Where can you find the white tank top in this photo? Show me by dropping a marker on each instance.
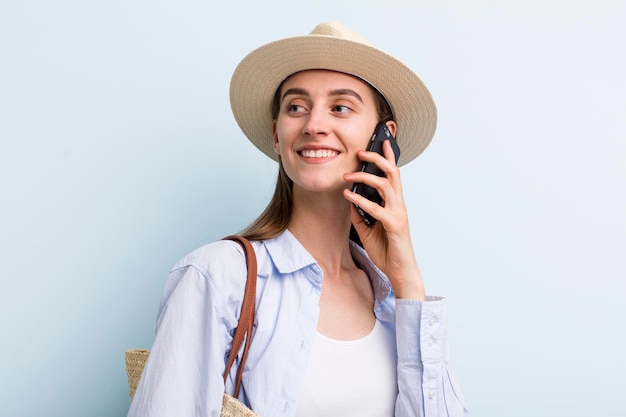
(355, 378)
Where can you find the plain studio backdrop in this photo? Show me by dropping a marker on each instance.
(119, 155)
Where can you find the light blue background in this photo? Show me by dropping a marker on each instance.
(119, 154)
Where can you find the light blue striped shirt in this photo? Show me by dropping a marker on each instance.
(199, 312)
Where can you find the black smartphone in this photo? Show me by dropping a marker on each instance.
(381, 134)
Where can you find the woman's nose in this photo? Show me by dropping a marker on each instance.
(316, 124)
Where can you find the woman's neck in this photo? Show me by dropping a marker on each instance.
(322, 225)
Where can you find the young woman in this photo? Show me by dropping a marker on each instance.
(343, 326)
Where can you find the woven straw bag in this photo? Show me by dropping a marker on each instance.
(231, 407)
(135, 361)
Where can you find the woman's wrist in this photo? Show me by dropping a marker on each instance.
(411, 287)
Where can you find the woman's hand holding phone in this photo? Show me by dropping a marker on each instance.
(380, 136)
(388, 241)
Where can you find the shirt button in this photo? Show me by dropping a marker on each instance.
(430, 342)
(431, 395)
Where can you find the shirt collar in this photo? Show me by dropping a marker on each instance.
(380, 282)
(299, 258)
(287, 253)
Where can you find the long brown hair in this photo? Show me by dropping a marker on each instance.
(275, 218)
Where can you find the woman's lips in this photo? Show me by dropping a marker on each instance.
(318, 153)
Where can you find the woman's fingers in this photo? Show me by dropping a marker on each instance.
(389, 187)
(385, 162)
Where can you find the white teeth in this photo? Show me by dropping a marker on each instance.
(322, 153)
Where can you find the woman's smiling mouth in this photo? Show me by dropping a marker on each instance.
(319, 153)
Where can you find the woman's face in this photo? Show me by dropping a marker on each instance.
(324, 118)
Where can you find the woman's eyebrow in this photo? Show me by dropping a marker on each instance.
(337, 92)
(295, 91)
(346, 92)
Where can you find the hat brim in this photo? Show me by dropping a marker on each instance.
(261, 72)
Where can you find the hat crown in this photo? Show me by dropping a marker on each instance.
(337, 30)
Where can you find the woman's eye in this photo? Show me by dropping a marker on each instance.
(294, 108)
(339, 108)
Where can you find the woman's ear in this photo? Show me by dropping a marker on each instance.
(275, 138)
(391, 124)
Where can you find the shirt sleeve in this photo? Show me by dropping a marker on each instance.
(184, 372)
(426, 387)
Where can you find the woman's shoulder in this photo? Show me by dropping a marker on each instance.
(213, 274)
(221, 253)
(220, 265)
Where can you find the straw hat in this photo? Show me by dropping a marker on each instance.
(331, 46)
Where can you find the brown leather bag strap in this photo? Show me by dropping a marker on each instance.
(246, 318)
